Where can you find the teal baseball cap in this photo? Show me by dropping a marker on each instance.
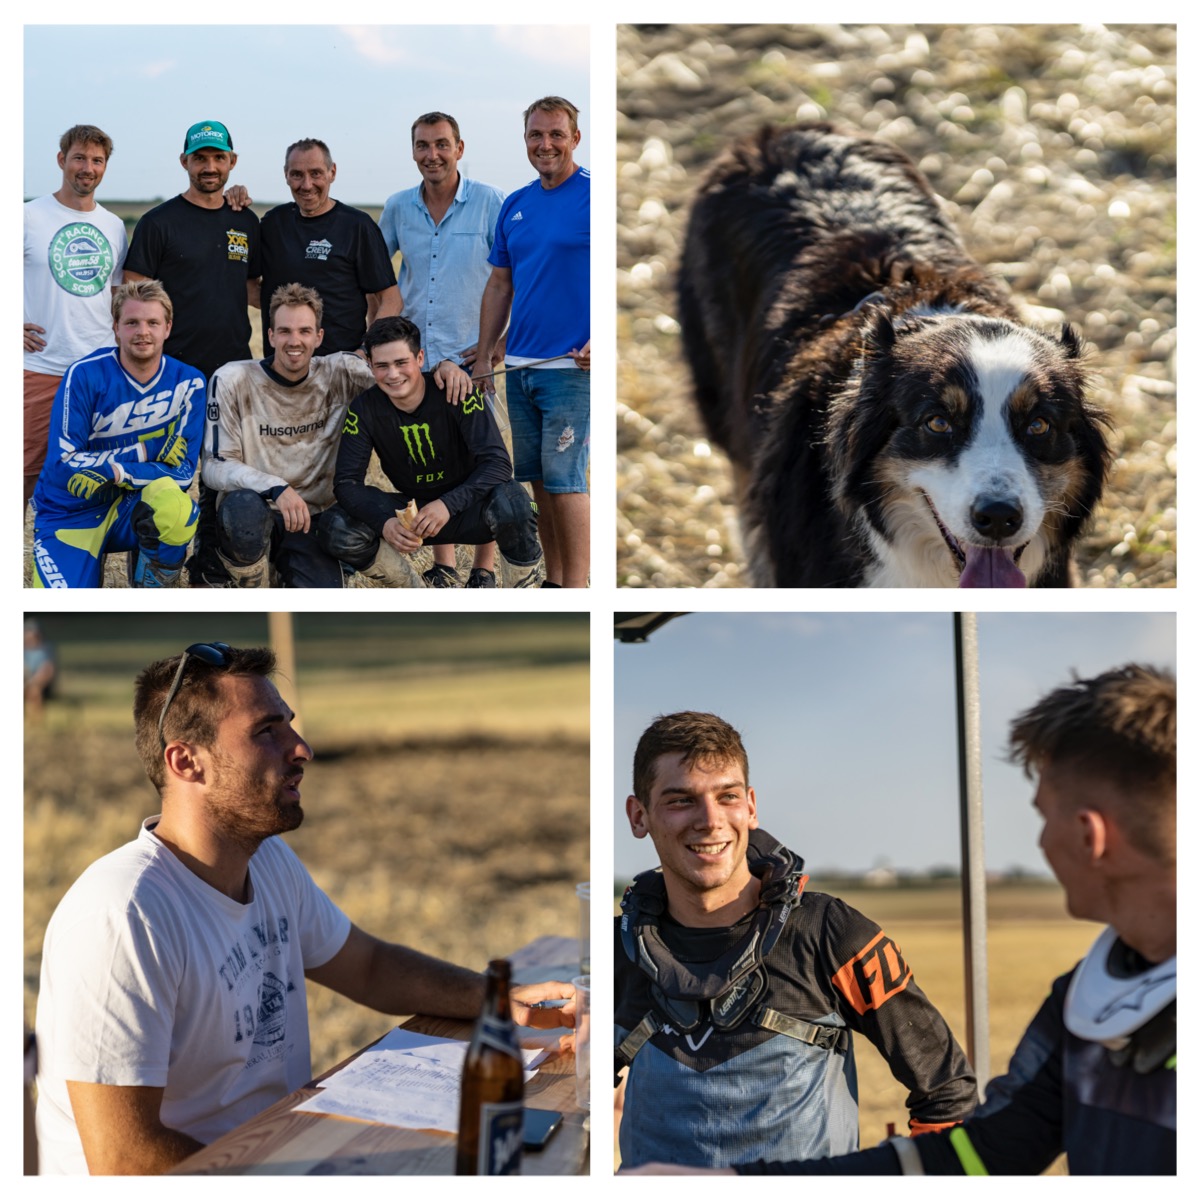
(207, 133)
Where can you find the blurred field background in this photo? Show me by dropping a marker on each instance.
(1031, 941)
(447, 806)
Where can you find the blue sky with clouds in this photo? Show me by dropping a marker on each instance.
(356, 87)
(849, 722)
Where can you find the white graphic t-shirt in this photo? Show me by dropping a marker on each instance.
(72, 261)
(150, 977)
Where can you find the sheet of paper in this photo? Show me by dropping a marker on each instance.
(406, 1079)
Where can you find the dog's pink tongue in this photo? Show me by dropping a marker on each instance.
(990, 568)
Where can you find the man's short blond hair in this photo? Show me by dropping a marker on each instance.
(1119, 728)
(86, 135)
(295, 295)
(145, 290)
(553, 104)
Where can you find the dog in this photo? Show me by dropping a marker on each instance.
(890, 421)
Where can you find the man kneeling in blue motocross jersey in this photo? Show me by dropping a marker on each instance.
(1094, 1074)
(124, 438)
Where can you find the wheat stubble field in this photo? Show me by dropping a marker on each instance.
(447, 806)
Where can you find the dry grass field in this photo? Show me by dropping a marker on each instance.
(447, 806)
(1031, 940)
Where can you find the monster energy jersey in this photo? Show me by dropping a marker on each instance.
(1061, 1093)
(440, 451)
(103, 416)
(263, 432)
(153, 978)
(712, 1098)
(203, 257)
(73, 261)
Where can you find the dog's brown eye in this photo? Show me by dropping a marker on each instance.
(1038, 426)
(938, 425)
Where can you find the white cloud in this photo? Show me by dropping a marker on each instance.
(152, 70)
(561, 45)
(374, 44)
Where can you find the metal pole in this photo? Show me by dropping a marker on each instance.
(974, 881)
(284, 644)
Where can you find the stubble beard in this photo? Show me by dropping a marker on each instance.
(248, 809)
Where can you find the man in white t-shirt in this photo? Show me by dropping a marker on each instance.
(74, 250)
(172, 999)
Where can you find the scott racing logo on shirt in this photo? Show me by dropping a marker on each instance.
(81, 259)
(319, 250)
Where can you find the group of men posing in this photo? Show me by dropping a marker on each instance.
(736, 988)
(114, 433)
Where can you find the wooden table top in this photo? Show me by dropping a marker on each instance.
(280, 1141)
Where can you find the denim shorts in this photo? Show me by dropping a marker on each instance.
(550, 413)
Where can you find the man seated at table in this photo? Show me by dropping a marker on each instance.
(172, 1002)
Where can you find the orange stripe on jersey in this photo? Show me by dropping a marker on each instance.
(873, 976)
(916, 1128)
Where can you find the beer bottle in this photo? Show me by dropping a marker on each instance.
(491, 1112)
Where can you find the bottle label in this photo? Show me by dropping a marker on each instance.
(501, 1132)
(499, 1034)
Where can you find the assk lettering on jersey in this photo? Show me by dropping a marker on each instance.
(148, 411)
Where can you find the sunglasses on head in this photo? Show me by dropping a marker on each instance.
(216, 654)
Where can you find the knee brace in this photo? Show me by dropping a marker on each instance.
(164, 516)
(510, 515)
(343, 537)
(244, 527)
(246, 575)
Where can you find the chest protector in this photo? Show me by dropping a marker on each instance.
(728, 989)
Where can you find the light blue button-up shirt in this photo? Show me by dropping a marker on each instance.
(445, 267)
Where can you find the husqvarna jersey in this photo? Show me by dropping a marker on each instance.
(264, 431)
(1061, 1094)
(714, 1098)
(102, 415)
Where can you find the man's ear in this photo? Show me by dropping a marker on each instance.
(1093, 828)
(183, 762)
(637, 817)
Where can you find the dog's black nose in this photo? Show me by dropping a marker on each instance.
(996, 518)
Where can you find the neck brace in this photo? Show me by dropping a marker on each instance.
(1129, 1011)
(732, 983)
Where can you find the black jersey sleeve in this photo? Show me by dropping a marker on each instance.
(372, 262)
(362, 501)
(254, 265)
(878, 997)
(146, 247)
(1019, 1129)
(482, 437)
